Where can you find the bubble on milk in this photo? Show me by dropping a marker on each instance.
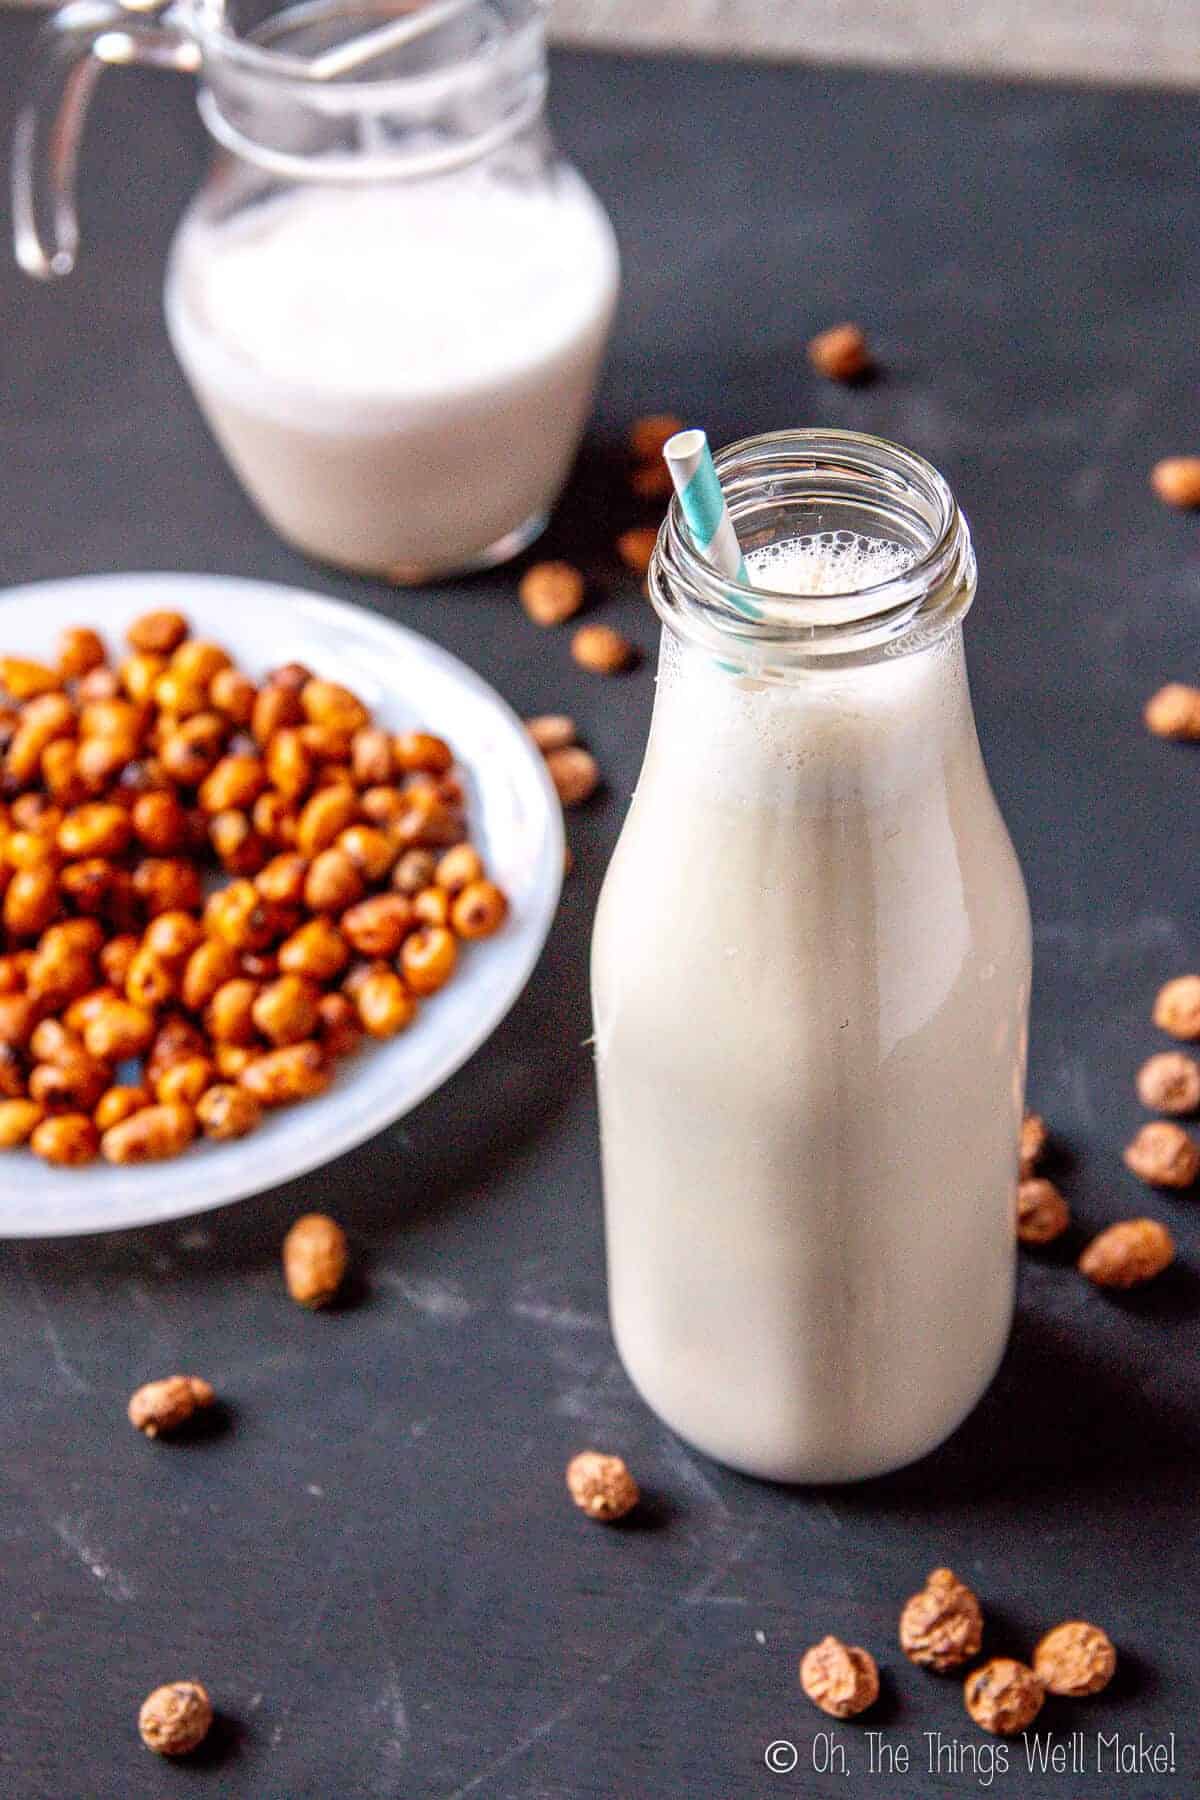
(828, 562)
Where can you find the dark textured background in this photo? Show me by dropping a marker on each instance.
(372, 1562)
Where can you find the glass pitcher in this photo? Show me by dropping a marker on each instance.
(810, 979)
(391, 296)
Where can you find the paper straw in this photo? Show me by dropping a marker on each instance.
(702, 500)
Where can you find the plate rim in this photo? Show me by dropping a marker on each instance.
(546, 891)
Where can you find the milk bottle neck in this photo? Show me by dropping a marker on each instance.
(857, 550)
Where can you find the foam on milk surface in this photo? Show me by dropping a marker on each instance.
(417, 288)
(827, 562)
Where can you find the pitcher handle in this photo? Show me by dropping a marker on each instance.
(73, 47)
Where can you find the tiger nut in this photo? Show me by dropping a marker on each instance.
(942, 1626)
(841, 353)
(1075, 1659)
(839, 1678)
(601, 650)
(168, 1404)
(601, 1486)
(551, 592)
(1176, 479)
(1177, 1007)
(1174, 712)
(551, 731)
(1163, 1155)
(1042, 1213)
(314, 1259)
(1034, 1139)
(1128, 1253)
(575, 774)
(1003, 1696)
(175, 1719)
(1169, 1082)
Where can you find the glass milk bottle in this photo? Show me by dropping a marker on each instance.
(391, 297)
(810, 975)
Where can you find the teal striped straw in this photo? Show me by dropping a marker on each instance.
(705, 513)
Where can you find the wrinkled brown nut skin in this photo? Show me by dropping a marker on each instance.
(175, 1720)
(1163, 1155)
(227, 1111)
(601, 650)
(841, 353)
(1042, 1213)
(315, 1256)
(840, 1678)
(1128, 1253)
(551, 731)
(1177, 1008)
(636, 547)
(1003, 1696)
(1034, 1139)
(1169, 1083)
(152, 1135)
(601, 1486)
(295, 1072)
(1176, 479)
(942, 1626)
(1075, 1659)
(167, 1404)
(649, 434)
(1174, 712)
(575, 774)
(551, 592)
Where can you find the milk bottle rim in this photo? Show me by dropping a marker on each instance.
(788, 484)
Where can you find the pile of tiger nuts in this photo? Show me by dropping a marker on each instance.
(135, 1010)
(941, 1628)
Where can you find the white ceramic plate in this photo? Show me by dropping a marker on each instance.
(515, 820)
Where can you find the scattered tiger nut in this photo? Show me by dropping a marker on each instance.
(840, 353)
(575, 774)
(1034, 1139)
(1177, 1008)
(1003, 1696)
(649, 435)
(551, 731)
(841, 1679)
(315, 1256)
(601, 1485)
(1128, 1253)
(1174, 712)
(1163, 1155)
(1042, 1213)
(174, 1720)
(1176, 479)
(1075, 1659)
(551, 592)
(166, 1405)
(650, 481)
(601, 650)
(1169, 1083)
(636, 547)
(942, 1626)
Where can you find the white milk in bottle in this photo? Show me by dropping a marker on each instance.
(810, 978)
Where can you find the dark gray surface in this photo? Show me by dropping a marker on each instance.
(373, 1563)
